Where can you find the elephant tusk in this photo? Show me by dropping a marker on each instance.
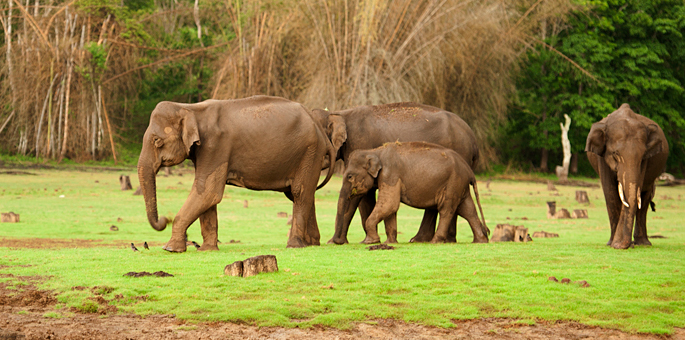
(620, 194)
(639, 199)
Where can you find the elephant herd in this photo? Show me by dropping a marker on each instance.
(416, 154)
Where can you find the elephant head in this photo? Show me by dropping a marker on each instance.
(335, 127)
(626, 144)
(168, 141)
(359, 177)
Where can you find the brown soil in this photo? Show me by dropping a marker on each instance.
(22, 317)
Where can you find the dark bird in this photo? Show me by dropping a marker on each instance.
(145, 246)
(196, 245)
(133, 247)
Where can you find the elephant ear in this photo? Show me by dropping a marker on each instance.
(190, 134)
(336, 130)
(373, 165)
(596, 139)
(654, 141)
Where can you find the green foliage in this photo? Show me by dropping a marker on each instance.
(634, 48)
(637, 289)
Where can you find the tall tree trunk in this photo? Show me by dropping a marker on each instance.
(544, 155)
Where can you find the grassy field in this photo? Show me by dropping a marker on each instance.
(637, 290)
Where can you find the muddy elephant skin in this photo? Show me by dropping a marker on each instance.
(259, 143)
(421, 175)
(629, 152)
(369, 127)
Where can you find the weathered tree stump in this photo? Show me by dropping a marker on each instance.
(579, 213)
(245, 204)
(234, 269)
(125, 182)
(509, 233)
(551, 209)
(167, 171)
(544, 234)
(252, 266)
(550, 186)
(561, 214)
(581, 196)
(9, 217)
(138, 192)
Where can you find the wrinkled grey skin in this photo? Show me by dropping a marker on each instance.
(259, 143)
(628, 151)
(368, 127)
(421, 175)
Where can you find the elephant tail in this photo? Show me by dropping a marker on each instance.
(331, 167)
(486, 230)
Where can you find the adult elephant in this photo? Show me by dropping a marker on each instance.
(368, 127)
(259, 143)
(628, 151)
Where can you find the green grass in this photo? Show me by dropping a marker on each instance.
(640, 289)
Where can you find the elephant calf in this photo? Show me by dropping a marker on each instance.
(419, 174)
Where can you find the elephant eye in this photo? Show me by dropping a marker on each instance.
(158, 142)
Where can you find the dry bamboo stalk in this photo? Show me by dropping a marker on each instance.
(109, 129)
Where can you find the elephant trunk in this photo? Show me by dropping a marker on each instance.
(629, 193)
(347, 206)
(147, 176)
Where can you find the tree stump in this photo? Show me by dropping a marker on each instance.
(167, 171)
(9, 217)
(252, 266)
(561, 214)
(551, 209)
(234, 269)
(562, 171)
(544, 234)
(509, 233)
(581, 196)
(125, 182)
(579, 213)
(138, 192)
(550, 186)
(282, 214)
(245, 204)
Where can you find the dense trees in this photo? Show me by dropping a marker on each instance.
(77, 72)
(633, 52)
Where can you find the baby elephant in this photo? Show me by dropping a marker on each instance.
(421, 175)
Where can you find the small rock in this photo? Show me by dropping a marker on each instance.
(552, 278)
(114, 228)
(565, 280)
(119, 219)
(282, 214)
(234, 241)
(9, 217)
(583, 283)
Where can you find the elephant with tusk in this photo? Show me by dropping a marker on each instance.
(629, 152)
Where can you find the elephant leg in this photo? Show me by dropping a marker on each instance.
(302, 190)
(210, 229)
(391, 228)
(441, 233)
(366, 205)
(427, 228)
(198, 202)
(467, 210)
(388, 203)
(640, 232)
(613, 201)
(452, 231)
(313, 228)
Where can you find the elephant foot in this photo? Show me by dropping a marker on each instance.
(480, 240)
(175, 246)
(389, 241)
(208, 247)
(338, 241)
(422, 238)
(451, 239)
(642, 242)
(371, 240)
(621, 245)
(296, 242)
(437, 239)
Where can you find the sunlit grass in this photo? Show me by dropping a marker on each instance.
(638, 289)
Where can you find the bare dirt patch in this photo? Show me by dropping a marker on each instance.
(30, 314)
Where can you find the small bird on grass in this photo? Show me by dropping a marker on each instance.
(145, 246)
(196, 245)
(133, 247)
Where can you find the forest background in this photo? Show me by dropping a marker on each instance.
(81, 77)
